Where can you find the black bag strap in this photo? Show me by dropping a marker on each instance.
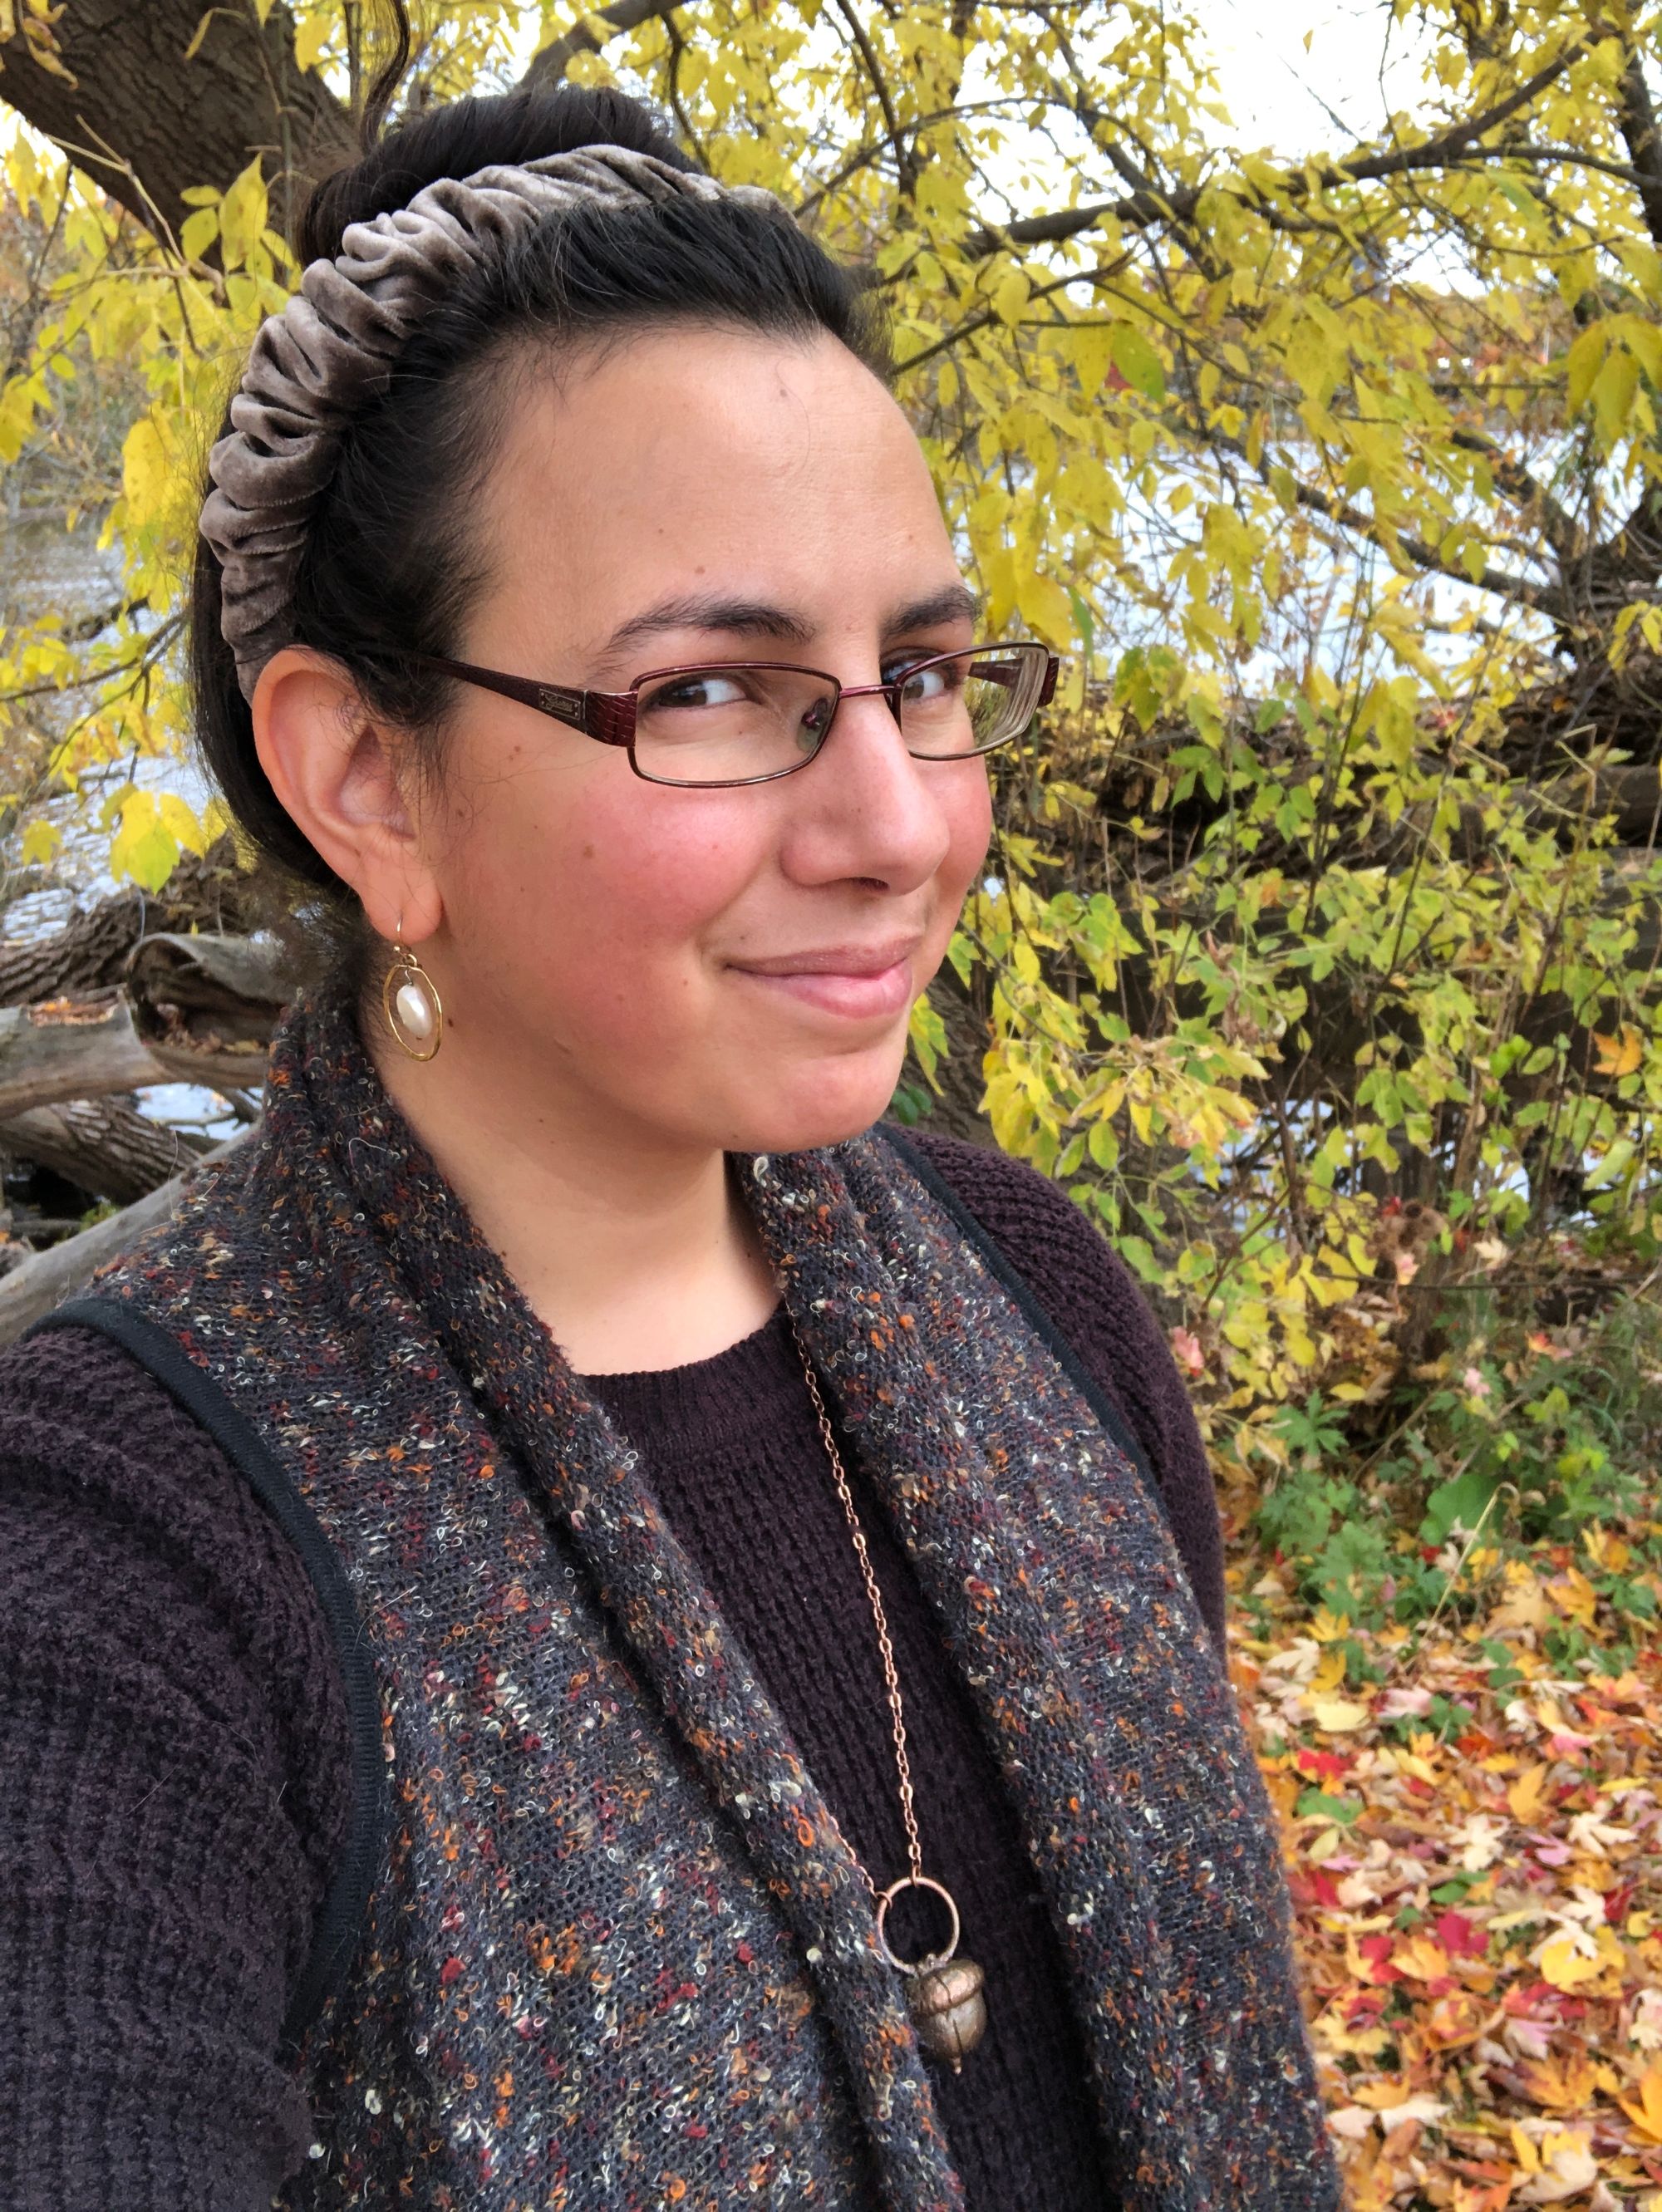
(346, 1904)
(1016, 1285)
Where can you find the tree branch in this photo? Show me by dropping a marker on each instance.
(1141, 210)
(1526, 493)
(903, 160)
(549, 67)
(177, 122)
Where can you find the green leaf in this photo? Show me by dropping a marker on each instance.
(1464, 1500)
(1317, 1802)
(1137, 362)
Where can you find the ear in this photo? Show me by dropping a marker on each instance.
(349, 786)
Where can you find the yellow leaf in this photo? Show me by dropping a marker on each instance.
(311, 38)
(1524, 1796)
(1421, 1959)
(40, 842)
(1581, 365)
(146, 475)
(1093, 357)
(143, 849)
(197, 233)
(1010, 295)
(198, 35)
(180, 822)
(242, 215)
(1336, 1715)
(1567, 1965)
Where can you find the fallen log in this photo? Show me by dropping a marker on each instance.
(205, 1006)
(101, 1146)
(90, 952)
(49, 1277)
(71, 1049)
(195, 1009)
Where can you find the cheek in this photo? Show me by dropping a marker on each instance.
(966, 806)
(591, 895)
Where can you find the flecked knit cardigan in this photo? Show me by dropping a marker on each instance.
(613, 1914)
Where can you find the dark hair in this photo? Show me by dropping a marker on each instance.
(390, 568)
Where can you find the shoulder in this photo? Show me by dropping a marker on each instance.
(168, 1821)
(1065, 1259)
(125, 1526)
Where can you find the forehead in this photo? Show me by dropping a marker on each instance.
(701, 460)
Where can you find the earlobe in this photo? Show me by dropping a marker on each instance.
(337, 773)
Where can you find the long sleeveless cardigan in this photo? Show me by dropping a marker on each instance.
(608, 1948)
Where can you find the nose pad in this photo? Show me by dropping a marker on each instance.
(812, 728)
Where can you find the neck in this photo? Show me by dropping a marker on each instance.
(630, 1245)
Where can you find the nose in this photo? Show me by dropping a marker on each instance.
(864, 808)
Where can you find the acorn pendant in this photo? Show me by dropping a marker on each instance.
(948, 2010)
(943, 1993)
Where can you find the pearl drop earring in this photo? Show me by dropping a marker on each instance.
(411, 1001)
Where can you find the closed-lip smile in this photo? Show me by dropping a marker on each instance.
(852, 981)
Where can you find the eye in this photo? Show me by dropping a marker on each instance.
(923, 684)
(702, 687)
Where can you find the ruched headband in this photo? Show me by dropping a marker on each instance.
(334, 345)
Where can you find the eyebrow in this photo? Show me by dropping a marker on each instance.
(742, 617)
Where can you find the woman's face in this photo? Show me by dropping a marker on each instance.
(729, 968)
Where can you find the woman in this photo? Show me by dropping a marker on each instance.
(559, 1607)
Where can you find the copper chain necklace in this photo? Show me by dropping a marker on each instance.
(944, 1993)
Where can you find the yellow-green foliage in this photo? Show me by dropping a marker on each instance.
(1314, 461)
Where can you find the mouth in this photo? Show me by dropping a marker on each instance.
(854, 983)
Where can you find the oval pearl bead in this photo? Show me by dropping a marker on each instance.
(415, 1010)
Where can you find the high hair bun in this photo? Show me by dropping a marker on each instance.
(466, 135)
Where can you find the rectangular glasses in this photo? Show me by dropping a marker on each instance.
(748, 721)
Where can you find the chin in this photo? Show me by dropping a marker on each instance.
(824, 1105)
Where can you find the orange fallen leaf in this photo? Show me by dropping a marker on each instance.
(1647, 2114)
(1562, 2085)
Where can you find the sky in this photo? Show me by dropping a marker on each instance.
(1280, 92)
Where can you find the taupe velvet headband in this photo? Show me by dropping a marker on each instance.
(334, 344)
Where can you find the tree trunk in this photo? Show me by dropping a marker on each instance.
(144, 124)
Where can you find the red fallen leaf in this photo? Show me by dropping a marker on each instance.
(1314, 1886)
(1376, 1950)
(1617, 1901)
(1524, 1999)
(1330, 1766)
(1475, 1743)
(1459, 1934)
(1365, 2004)
(451, 1970)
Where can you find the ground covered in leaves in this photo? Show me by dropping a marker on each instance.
(1472, 1821)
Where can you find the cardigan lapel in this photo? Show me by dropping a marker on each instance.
(893, 1329)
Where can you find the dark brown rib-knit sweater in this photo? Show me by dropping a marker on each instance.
(173, 1750)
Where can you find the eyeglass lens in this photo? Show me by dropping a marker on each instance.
(730, 723)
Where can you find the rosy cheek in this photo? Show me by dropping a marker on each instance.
(612, 889)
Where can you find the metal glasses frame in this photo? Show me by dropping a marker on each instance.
(609, 717)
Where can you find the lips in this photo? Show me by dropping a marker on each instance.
(854, 982)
